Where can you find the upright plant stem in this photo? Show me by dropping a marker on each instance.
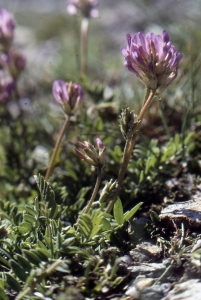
(95, 191)
(65, 125)
(149, 94)
(130, 144)
(83, 45)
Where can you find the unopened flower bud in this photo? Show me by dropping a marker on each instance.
(88, 8)
(100, 145)
(85, 157)
(91, 155)
(68, 95)
(101, 152)
(109, 192)
(7, 26)
(128, 121)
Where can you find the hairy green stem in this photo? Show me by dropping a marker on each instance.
(95, 191)
(149, 94)
(51, 164)
(83, 45)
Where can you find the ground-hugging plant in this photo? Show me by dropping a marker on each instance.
(38, 243)
(155, 61)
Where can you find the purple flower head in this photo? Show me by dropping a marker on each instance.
(6, 87)
(88, 8)
(68, 95)
(90, 154)
(60, 91)
(7, 26)
(152, 58)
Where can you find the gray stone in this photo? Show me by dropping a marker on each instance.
(145, 252)
(155, 292)
(149, 249)
(151, 269)
(188, 290)
(187, 212)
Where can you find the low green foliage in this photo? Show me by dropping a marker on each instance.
(153, 165)
(38, 243)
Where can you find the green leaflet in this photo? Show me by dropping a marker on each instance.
(118, 212)
(13, 283)
(96, 222)
(32, 258)
(90, 225)
(24, 263)
(47, 195)
(129, 214)
(3, 296)
(18, 270)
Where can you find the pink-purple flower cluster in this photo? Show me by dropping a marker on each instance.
(87, 8)
(152, 58)
(68, 95)
(7, 26)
